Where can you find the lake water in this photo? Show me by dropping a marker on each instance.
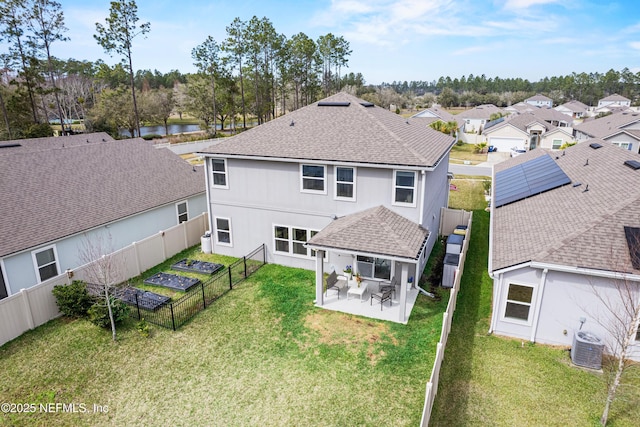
(159, 130)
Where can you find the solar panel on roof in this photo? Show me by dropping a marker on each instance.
(595, 145)
(528, 179)
(493, 122)
(633, 164)
(333, 104)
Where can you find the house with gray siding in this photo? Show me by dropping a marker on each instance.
(323, 185)
(560, 243)
(621, 129)
(59, 194)
(528, 130)
(539, 100)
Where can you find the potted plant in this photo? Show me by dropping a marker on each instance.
(347, 270)
(358, 279)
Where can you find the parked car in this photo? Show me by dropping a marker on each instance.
(515, 151)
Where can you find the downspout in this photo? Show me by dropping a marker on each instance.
(497, 291)
(208, 188)
(536, 314)
(422, 198)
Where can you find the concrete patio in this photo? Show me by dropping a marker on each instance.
(363, 307)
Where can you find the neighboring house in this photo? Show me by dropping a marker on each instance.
(525, 131)
(558, 238)
(60, 193)
(539, 100)
(435, 113)
(614, 100)
(473, 120)
(621, 129)
(575, 109)
(519, 108)
(292, 182)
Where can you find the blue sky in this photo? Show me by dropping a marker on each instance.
(393, 39)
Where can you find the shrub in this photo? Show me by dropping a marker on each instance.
(143, 327)
(99, 313)
(151, 136)
(73, 300)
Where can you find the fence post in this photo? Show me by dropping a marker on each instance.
(244, 259)
(173, 320)
(264, 254)
(204, 299)
(138, 306)
(230, 280)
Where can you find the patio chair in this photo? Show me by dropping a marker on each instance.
(382, 297)
(335, 282)
(391, 285)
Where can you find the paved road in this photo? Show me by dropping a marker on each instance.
(482, 169)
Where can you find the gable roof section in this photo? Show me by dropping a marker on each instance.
(604, 126)
(480, 112)
(615, 98)
(522, 122)
(577, 225)
(538, 97)
(574, 106)
(353, 133)
(376, 231)
(435, 112)
(52, 192)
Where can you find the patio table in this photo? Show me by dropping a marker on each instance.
(355, 290)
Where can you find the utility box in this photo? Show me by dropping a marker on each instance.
(587, 350)
(449, 269)
(205, 242)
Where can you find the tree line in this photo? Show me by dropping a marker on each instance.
(254, 72)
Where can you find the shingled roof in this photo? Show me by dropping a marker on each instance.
(341, 128)
(55, 187)
(376, 231)
(572, 225)
(607, 125)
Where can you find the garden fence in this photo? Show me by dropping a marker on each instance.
(432, 385)
(174, 314)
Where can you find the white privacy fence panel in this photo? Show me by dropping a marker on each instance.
(35, 306)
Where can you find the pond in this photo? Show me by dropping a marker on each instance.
(159, 130)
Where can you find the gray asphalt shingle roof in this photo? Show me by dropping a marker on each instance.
(605, 126)
(50, 191)
(377, 230)
(352, 133)
(568, 225)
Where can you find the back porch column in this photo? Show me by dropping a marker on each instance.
(404, 276)
(319, 277)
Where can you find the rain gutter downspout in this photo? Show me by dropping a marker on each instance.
(536, 314)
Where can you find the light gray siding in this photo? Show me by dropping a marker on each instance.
(20, 271)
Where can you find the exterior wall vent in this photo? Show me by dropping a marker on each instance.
(586, 350)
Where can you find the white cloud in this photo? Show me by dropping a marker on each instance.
(635, 45)
(525, 4)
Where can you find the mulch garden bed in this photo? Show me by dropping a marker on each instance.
(172, 281)
(195, 266)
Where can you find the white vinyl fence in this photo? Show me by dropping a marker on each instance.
(35, 306)
(448, 218)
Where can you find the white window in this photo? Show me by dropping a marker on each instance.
(374, 268)
(625, 145)
(312, 179)
(182, 211)
(519, 298)
(46, 263)
(292, 240)
(223, 231)
(405, 188)
(3, 287)
(219, 170)
(345, 183)
(556, 144)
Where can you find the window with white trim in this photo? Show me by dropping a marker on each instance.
(374, 268)
(45, 263)
(519, 298)
(292, 240)
(556, 144)
(219, 171)
(345, 183)
(312, 179)
(624, 145)
(182, 211)
(223, 231)
(404, 187)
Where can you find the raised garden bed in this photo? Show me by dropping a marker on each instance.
(195, 266)
(172, 281)
(145, 299)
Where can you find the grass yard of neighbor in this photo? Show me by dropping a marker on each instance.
(466, 152)
(260, 355)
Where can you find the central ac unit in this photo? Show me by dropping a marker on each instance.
(587, 350)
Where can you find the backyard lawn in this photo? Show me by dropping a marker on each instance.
(466, 152)
(260, 355)
(494, 381)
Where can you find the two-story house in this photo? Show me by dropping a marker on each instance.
(614, 100)
(539, 100)
(338, 161)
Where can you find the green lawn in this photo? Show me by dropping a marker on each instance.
(493, 381)
(460, 153)
(260, 355)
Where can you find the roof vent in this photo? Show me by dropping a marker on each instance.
(367, 104)
(633, 164)
(333, 104)
(10, 145)
(595, 145)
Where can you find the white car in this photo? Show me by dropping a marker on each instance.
(515, 151)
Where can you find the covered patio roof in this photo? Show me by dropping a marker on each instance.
(375, 231)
